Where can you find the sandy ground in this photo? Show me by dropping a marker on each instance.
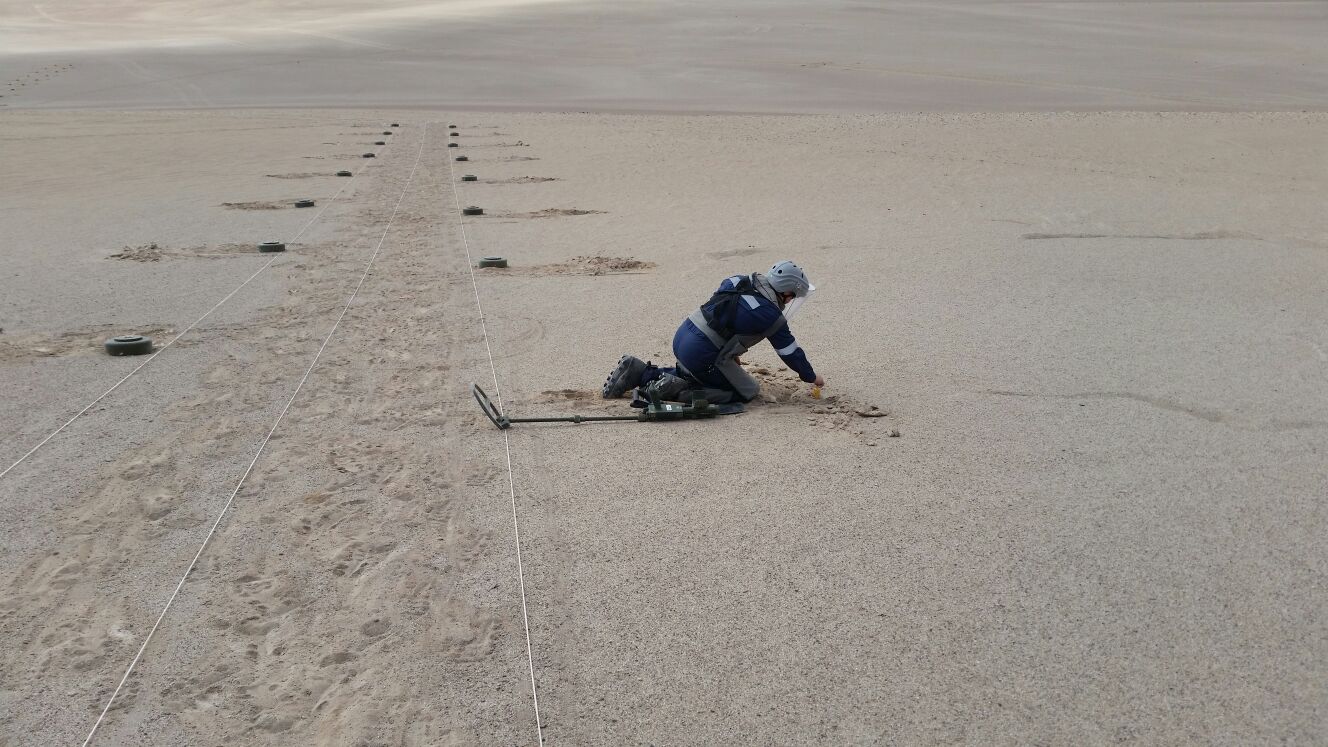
(1098, 335)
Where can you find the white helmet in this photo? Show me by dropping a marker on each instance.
(786, 277)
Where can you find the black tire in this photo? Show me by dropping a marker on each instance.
(368, 155)
(472, 210)
(344, 173)
(462, 158)
(469, 178)
(129, 345)
(304, 203)
(452, 145)
(455, 134)
(387, 132)
(271, 246)
(380, 142)
(394, 124)
(493, 261)
(451, 127)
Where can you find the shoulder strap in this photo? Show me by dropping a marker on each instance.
(720, 311)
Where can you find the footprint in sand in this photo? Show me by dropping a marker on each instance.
(554, 395)
(337, 658)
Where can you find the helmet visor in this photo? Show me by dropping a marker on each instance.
(796, 304)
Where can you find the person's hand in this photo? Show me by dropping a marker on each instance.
(820, 380)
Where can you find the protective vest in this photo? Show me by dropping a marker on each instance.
(717, 317)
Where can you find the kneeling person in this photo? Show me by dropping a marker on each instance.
(745, 310)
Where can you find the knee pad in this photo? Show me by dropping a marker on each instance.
(670, 388)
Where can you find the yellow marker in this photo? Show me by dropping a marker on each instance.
(816, 392)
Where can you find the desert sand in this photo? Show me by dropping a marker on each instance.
(1098, 335)
(759, 56)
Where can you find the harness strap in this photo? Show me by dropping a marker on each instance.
(724, 301)
(720, 312)
(698, 318)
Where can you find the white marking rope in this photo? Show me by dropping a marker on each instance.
(507, 445)
(208, 538)
(186, 331)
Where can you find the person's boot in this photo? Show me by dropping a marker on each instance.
(624, 376)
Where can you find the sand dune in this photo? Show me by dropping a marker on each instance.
(72, 25)
(767, 56)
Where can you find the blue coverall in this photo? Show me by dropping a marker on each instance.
(697, 355)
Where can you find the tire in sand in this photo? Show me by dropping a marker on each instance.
(469, 178)
(380, 142)
(344, 173)
(367, 155)
(462, 158)
(304, 203)
(472, 210)
(267, 247)
(493, 261)
(129, 345)
(452, 145)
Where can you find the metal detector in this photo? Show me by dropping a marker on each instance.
(654, 411)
